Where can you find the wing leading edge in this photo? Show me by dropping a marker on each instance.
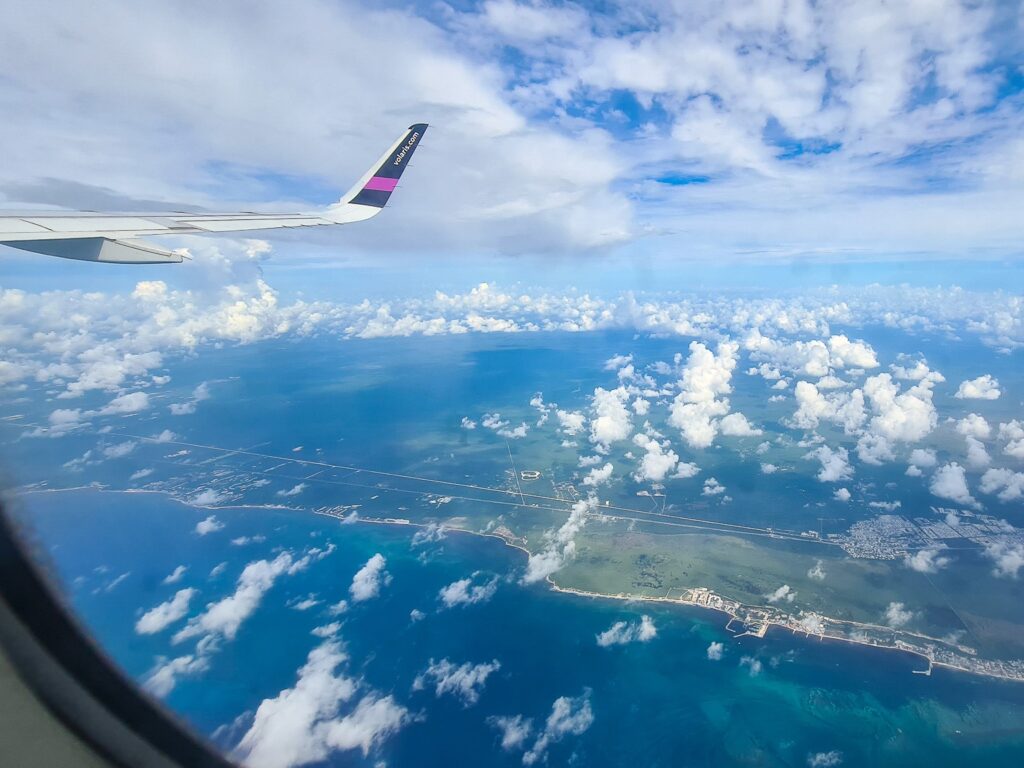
(113, 237)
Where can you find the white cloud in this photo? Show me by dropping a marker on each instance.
(835, 464)
(975, 426)
(199, 394)
(1008, 558)
(842, 494)
(1013, 433)
(303, 724)
(176, 575)
(570, 716)
(977, 456)
(126, 404)
(369, 579)
(736, 425)
(927, 560)
(162, 616)
(210, 525)
(623, 633)
(897, 615)
(293, 491)
(223, 618)
(561, 544)
(599, 475)
(1009, 485)
(120, 450)
(686, 469)
(657, 462)
(207, 498)
(712, 487)
(851, 354)
(702, 389)
(140, 474)
(164, 676)
(982, 388)
(464, 681)
(817, 571)
(950, 482)
(570, 422)
(715, 651)
(465, 592)
(467, 423)
(610, 422)
(783, 593)
(923, 457)
(515, 731)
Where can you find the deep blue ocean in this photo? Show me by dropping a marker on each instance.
(659, 703)
(396, 405)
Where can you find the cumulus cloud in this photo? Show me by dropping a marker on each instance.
(561, 544)
(293, 491)
(715, 651)
(817, 571)
(977, 456)
(897, 615)
(1008, 558)
(466, 592)
(950, 482)
(982, 388)
(658, 461)
(464, 681)
(973, 425)
(1007, 484)
(369, 579)
(223, 618)
(515, 731)
(570, 716)
(120, 450)
(927, 560)
(702, 400)
(842, 494)
(207, 498)
(598, 475)
(570, 422)
(623, 632)
(611, 421)
(712, 488)
(133, 402)
(164, 676)
(210, 525)
(835, 464)
(304, 724)
(162, 616)
(783, 593)
(736, 425)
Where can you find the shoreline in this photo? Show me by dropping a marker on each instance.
(755, 620)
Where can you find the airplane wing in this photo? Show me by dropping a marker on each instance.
(114, 237)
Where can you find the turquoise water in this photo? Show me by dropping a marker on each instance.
(395, 405)
(656, 703)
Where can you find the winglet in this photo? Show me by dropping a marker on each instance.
(372, 191)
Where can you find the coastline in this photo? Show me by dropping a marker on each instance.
(755, 620)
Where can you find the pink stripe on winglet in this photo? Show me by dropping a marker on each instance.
(381, 184)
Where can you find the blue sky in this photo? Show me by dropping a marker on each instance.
(680, 137)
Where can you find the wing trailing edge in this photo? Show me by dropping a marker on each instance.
(114, 238)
